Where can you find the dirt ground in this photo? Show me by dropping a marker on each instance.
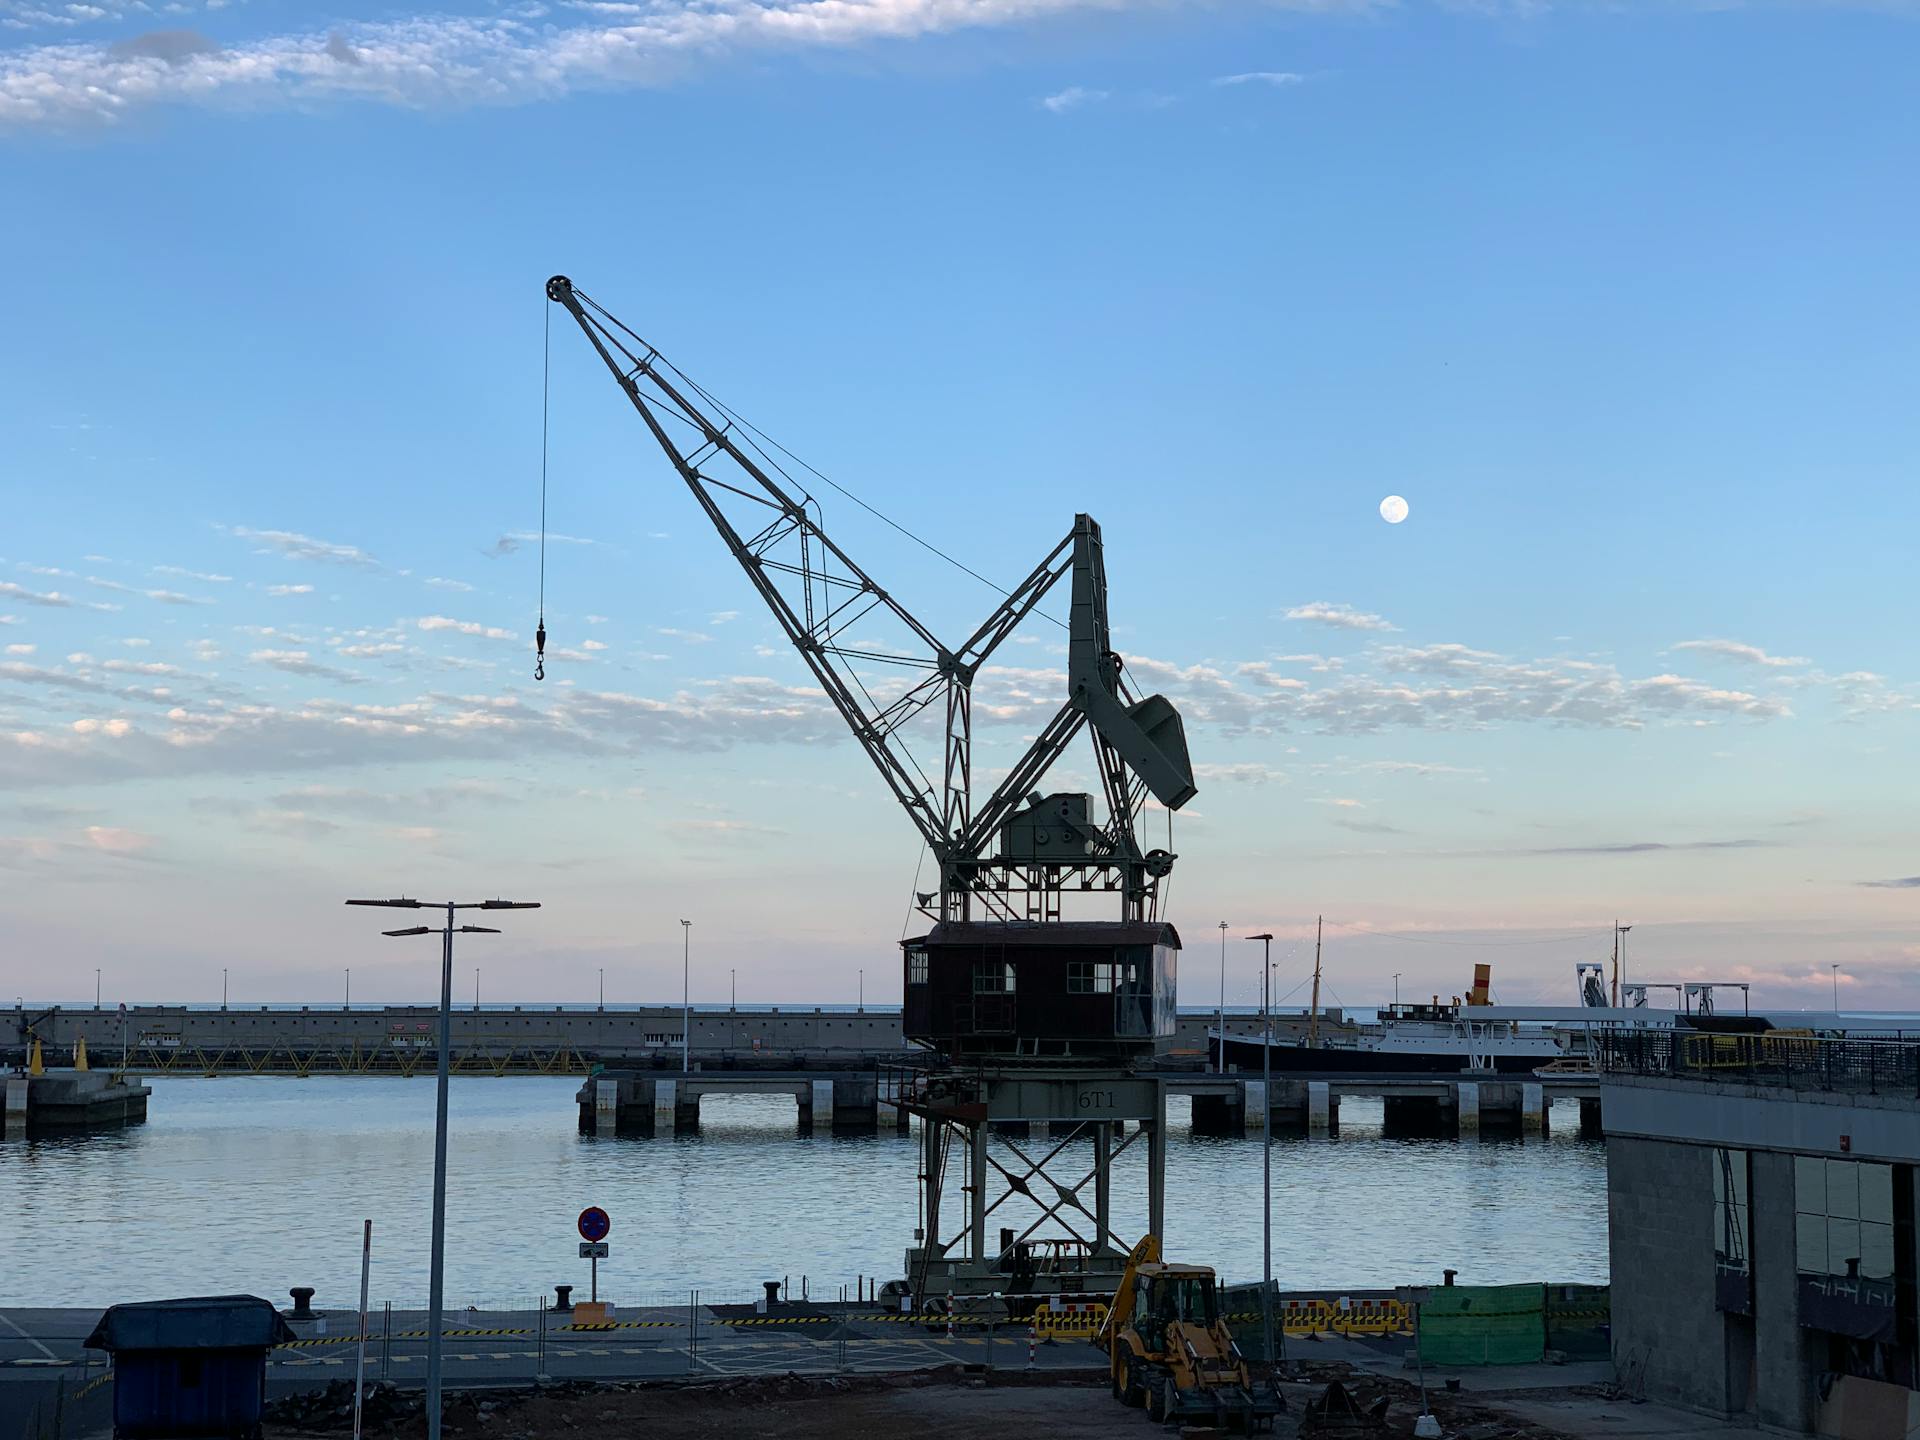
(949, 1404)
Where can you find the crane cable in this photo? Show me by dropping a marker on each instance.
(546, 392)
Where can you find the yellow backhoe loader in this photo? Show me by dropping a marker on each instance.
(1168, 1349)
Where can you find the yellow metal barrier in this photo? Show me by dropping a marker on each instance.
(1068, 1321)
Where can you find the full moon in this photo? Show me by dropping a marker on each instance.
(1393, 509)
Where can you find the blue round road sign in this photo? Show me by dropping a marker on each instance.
(594, 1223)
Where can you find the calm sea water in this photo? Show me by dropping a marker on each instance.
(258, 1184)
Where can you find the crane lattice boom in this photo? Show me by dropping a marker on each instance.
(825, 601)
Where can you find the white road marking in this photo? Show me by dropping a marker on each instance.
(7, 1321)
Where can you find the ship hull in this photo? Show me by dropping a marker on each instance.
(1244, 1055)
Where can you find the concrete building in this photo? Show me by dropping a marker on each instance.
(1762, 1216)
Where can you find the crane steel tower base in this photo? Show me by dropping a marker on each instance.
(1035, 1156)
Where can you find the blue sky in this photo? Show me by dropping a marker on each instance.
(1620, 298)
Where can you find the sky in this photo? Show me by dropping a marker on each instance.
(1619, 298)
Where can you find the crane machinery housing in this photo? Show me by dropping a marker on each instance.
(1002, 979)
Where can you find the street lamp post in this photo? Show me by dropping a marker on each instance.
(1836, 989)
(686, 1004)
(437, 1275)
(96, 987)
(863, 990)
(223, 987)
(348, 1003)
(1396, 986)
(1220, 1064)
(603, 987)
(1266, 1131)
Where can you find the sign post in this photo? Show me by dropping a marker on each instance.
(594, 1225)
(360, 1345)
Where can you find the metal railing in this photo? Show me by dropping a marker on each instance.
(1790, 1060)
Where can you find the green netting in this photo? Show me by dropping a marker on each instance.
(1578, 1321)
(1484, 1325)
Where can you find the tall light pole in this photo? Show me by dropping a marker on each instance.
(436, 1287)
(863, 989)
(603, 987)
(223, 987)
(1220, 1065)
(1266, 1131)
(1836, 989)
(96, 987)
(348, 1004)
(686, 1004)
(1396, 987)
(733, 989)
(1619, 959)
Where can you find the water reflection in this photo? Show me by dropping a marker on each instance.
(258, 1184)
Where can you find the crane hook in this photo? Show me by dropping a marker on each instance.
(540, 650)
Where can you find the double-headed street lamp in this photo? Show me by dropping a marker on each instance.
(1221, 1067)
(1266, 1130)
(436, 1280)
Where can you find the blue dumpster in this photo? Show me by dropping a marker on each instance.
(189, 1367)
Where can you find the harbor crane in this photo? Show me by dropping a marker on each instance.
(1017, 845)
(1025, 1016)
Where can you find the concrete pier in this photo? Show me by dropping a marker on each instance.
(649, 1104)
(1466, 1100)
(69, 1100)
(1416, 1106)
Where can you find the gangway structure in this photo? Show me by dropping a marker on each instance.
(1028, 1018)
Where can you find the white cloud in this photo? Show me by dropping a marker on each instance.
(186, 574)
(1241, 773)
(52, 599)
(1277, 79)
(21, 649)
(1339, 616)
(299, 662)
(280, 542)
(439, 582)
(464, 627)
(1735, 650)
(289, 589)
(116, 841)
(593, 644)
(174, 597)
(1072, 98)
(441, 60)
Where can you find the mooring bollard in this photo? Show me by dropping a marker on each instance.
(562, 1299)
(302, 1302)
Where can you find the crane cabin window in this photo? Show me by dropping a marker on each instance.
(992, 977)
(1089, 977)
(916, 967)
